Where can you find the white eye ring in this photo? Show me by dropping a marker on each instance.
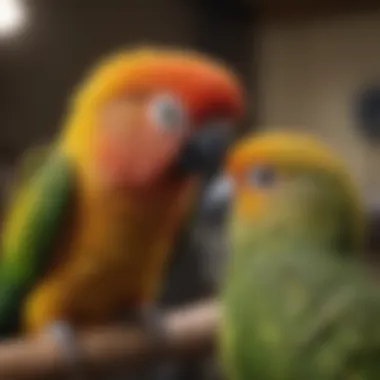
(167, 113)
(261, 176)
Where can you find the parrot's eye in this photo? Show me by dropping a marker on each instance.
(261, 176)
(167, 112)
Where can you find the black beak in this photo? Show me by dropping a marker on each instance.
(205, 151)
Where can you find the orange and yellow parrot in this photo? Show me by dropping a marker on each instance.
(88, 233)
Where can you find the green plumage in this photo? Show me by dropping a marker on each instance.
(298, 305)
(35, 221)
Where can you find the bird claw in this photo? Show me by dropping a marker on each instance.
(65, 336)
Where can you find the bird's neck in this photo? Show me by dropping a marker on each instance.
(290, 231)
(166, 198)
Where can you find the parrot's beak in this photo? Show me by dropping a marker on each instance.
(205, 150)
(217, 198)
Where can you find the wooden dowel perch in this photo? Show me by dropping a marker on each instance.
(190, 329)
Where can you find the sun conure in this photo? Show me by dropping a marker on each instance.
(89, 231)
(298, 302)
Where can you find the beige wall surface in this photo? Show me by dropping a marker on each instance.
(309, 71)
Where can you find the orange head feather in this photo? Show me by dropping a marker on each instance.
(134, 116)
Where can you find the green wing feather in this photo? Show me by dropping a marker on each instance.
(32, 160)
(29, 232)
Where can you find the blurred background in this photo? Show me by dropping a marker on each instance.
(307, 65)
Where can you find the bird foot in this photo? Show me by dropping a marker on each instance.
(65, 336)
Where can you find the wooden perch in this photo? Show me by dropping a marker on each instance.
(190, 329)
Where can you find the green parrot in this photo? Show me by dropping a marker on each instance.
(298, 303)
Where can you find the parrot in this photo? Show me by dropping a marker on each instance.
(93, 216)
(298, 300)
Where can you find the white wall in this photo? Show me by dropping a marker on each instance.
(309, 72)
